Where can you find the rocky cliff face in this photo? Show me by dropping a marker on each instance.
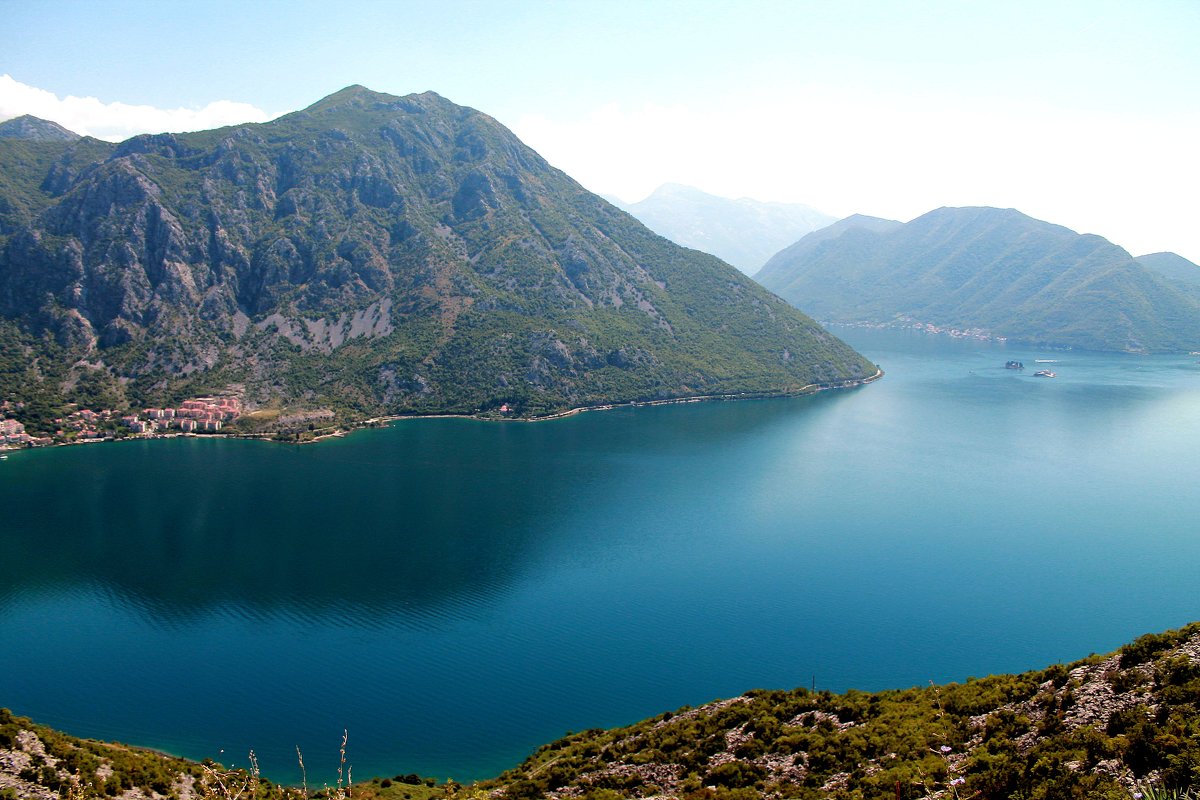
(391, 254)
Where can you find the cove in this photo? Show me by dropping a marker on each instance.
(456, 593)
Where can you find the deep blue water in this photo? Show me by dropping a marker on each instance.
(455, 593)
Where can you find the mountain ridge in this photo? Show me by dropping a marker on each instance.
(1172, 266)
(989, 269)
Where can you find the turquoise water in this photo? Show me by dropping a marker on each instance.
(455, 593)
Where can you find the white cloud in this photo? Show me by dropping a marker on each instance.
(1125, 177)
(117, 121)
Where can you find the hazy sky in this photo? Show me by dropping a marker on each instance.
(1086, 114)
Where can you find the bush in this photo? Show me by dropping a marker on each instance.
(735, 775)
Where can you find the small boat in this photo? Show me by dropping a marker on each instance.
(1044, 373)
(1045, 361)
(1013, 365)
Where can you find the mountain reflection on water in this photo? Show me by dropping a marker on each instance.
(427, 516)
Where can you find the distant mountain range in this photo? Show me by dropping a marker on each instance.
(992, 269)
(744, 233)
(372, 253)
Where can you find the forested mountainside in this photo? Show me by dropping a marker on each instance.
(993, 270)
(373, 254)
(1173, 267)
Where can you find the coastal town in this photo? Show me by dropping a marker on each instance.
(197, 415)
(904, 322)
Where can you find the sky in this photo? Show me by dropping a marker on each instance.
(1085, 114)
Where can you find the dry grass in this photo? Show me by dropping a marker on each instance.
(219, 783)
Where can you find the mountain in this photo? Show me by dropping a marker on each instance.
(1173, 267)
(991, 269)
(374, 254)
(34, 128)
(810, 243)
(1104, 727)
(744, 232)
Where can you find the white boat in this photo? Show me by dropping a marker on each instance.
(1045, 361)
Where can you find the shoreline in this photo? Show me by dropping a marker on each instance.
(384, 420)
(809, 389)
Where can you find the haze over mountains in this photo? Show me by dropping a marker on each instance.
(992, 269)
(743, 232)
(371, 252)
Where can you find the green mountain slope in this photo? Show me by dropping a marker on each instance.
(376, 254)
(743, 232)
(810, 243)
(993, 269)
(1172, 266)
(1101, 728)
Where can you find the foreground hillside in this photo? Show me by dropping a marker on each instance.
(993, 270)
(371, 254)
(1104, 727)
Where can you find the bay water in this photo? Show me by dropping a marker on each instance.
(455, 593)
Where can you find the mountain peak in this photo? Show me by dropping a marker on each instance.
(865, 219)
(355, 94)
(1172, 266)
(34, 128)
(357, 105)
(976, 213)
